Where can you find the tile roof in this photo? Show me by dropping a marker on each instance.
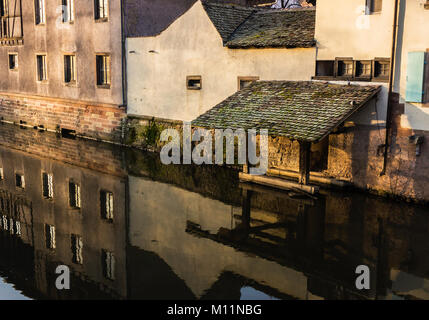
(299, 110)
(227, 18)
(279, 28)
(243, 27)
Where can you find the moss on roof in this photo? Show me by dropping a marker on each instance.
(301, 110)
(242, 27)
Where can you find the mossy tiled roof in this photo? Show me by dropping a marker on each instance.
(283, 28)
(242, 27)
(300, 110)
(227, 18)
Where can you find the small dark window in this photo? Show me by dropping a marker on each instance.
(101, 9)
(381, 69)
(48, 185)
(244, 82)
(103, 70)
(13, 61)
(70, 69)
(19, 181)
(39, 6)
(74, 195)
(325, 68)
(50, 236)
(374, 6)
(108, 263)
(194, 82)
(77, 249)
(345, 68)
(106, 205)
(42, 74)
(363, 69)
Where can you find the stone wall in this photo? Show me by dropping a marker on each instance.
(101, 157)
(100, 121)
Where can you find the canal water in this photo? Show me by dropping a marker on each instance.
(128, 227)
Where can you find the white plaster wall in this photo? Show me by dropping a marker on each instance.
(344, 30)
(158, 66)
(414, 38)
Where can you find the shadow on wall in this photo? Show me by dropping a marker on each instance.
(148, 18)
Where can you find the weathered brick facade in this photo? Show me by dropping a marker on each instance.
(99, 121)
(95, 156)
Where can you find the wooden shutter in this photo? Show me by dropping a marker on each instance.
(415, 77)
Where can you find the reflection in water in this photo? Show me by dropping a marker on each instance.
(130, 228)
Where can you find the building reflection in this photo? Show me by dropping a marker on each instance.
(130, 228)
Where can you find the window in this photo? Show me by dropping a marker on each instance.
(50, 236)
(101, 10)
(39, 6)
(106, 204)
(345, 67)
(68, 10)
(325, 68)
(363, 69)
(13, 61)
(103, 70)
(194, 82)
(108, 262)
(74, 195)
(48, 185)
(373, 6)
(42, 73)
(1, 174)
(381, 69)
(244, 82)
(17, 228)
(3, 8)
(5, 222)
(77, 247)
(19, 181)
(70, 69)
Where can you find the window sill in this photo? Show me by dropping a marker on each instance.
(103, 86)
(13, 70)
(70, 84)
(190, 88)
(357, 79)
(42, 81)
(100, 20)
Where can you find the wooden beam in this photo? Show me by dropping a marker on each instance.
(304, 162)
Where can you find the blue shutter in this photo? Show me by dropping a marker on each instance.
(415, 77)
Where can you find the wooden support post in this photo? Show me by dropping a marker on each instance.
(304, 162)
(246, 166)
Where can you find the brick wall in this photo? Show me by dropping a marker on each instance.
(93, 155)
(86, 119)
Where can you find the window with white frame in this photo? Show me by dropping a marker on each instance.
(48, 185)
(68, 10)
(42, 71)
(101, 9)
(77, 249)
(50, 236)
(70, 68)
(39, 7)
(74, 195)
(106, 204)
(108, 261)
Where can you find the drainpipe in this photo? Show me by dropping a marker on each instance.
(391, 80)
(124, 57)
